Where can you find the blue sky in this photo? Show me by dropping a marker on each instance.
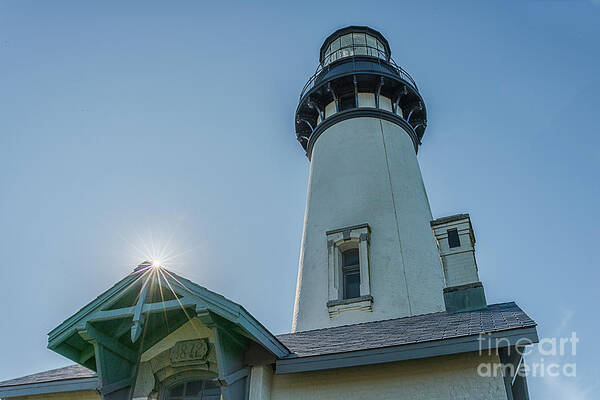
(140, 124)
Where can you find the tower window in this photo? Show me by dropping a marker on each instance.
(453, 239)
(347, 102)
(351, 273)
(348, 269)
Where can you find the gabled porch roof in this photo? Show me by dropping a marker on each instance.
(161, 294)
(110, 334)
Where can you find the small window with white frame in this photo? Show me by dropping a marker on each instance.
(348, 266)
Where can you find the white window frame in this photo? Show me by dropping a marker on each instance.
(338, 241)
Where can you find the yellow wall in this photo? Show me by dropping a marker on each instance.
(75, 395)
(447, 378)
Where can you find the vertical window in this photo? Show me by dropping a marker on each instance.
(348, 270)
(351, 273)
(453, 239)
(347, 102)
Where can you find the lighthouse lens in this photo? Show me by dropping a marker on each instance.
(354, 44)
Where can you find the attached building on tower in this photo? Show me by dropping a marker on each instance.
(388, 305)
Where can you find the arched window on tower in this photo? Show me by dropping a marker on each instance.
(348, 269)
(351, 273)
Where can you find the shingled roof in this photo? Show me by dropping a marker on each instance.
(407, 330)
(70, 372)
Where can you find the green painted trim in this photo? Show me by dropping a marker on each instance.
(116, 371)
(192, 294)
(58, 333)
(235, 376)
(471, 285)
(237, 314)
(86, 355)
(138, 316)
(92, 334)
(467, 297)
(129, 312)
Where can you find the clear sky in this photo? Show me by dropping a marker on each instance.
(126, 125)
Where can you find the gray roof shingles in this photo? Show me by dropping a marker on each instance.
(369, 335)
(59, 374)
(407, 330)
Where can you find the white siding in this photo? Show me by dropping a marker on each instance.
(460, 265)
(460, 269)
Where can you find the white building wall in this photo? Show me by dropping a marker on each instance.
(440, 378)
(261, 380)
(460, 265)
(365, 170)
(460, 268)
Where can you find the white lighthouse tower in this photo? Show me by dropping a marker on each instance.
(388, 305)
(368, 252)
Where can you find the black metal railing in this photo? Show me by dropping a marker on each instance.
(371, 52)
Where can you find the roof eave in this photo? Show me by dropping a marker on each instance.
(61, 386)
(65, 328)
(243, 318)
(216, 303)
(513, 337)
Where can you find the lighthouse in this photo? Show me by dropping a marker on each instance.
(388, 302)
(367, 252)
